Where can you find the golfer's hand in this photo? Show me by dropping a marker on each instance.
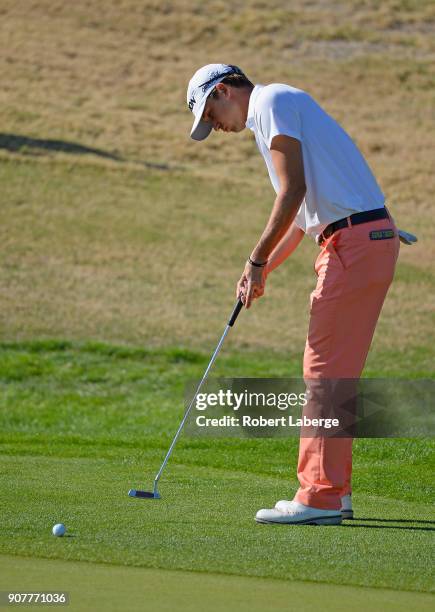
(251, 284)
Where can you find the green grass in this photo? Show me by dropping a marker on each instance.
(82, 423)
(94, 586)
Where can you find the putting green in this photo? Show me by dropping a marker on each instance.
(93, 586)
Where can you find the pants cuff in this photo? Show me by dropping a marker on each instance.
(318, 500)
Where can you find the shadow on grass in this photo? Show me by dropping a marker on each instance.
(21, 144)
(364, 526)
(378, 520)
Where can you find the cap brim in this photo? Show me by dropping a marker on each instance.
(201, 129)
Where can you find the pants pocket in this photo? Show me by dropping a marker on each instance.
(335, 255)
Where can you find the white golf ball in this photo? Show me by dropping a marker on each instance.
(59, 530)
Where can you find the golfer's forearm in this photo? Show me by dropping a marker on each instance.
(283, 213)
(285, 247)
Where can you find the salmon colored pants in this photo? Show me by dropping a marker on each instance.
(354, 273)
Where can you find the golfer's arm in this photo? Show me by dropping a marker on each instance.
(283, 213)
(285, 247)
(286, 155)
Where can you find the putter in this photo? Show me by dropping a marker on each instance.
(154, 494)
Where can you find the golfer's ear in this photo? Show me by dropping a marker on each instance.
(286, 153)
(221, 88)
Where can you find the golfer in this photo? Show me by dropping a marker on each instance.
(325, 189)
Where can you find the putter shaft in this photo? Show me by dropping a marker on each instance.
(231, 321)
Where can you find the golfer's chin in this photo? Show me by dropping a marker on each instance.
(233, 129)
(237, 128)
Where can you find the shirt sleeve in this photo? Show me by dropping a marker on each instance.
(278, 115)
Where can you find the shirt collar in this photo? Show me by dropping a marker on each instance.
(252, 98)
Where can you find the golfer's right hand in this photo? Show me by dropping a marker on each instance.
(241, 288)
(251, 284)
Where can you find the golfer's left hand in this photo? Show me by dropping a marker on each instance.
(251, 284)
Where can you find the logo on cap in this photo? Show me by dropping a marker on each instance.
(192, 103)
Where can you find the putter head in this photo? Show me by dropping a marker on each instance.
(148, 494)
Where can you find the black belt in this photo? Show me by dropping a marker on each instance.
(362, 217)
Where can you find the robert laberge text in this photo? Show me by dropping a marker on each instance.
(249, 421)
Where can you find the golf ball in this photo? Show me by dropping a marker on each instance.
(59, 530)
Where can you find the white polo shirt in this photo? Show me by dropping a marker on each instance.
(338, 180)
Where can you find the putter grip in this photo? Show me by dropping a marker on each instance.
(237, 309)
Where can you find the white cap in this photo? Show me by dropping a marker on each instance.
(200, 87)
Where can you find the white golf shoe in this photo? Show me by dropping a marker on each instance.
(346, 507)
(294, 513)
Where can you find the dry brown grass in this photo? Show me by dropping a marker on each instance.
(94, 248)
(115, 77)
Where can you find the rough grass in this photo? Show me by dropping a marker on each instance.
(116, 80)
(114, 225)
(91, 253)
